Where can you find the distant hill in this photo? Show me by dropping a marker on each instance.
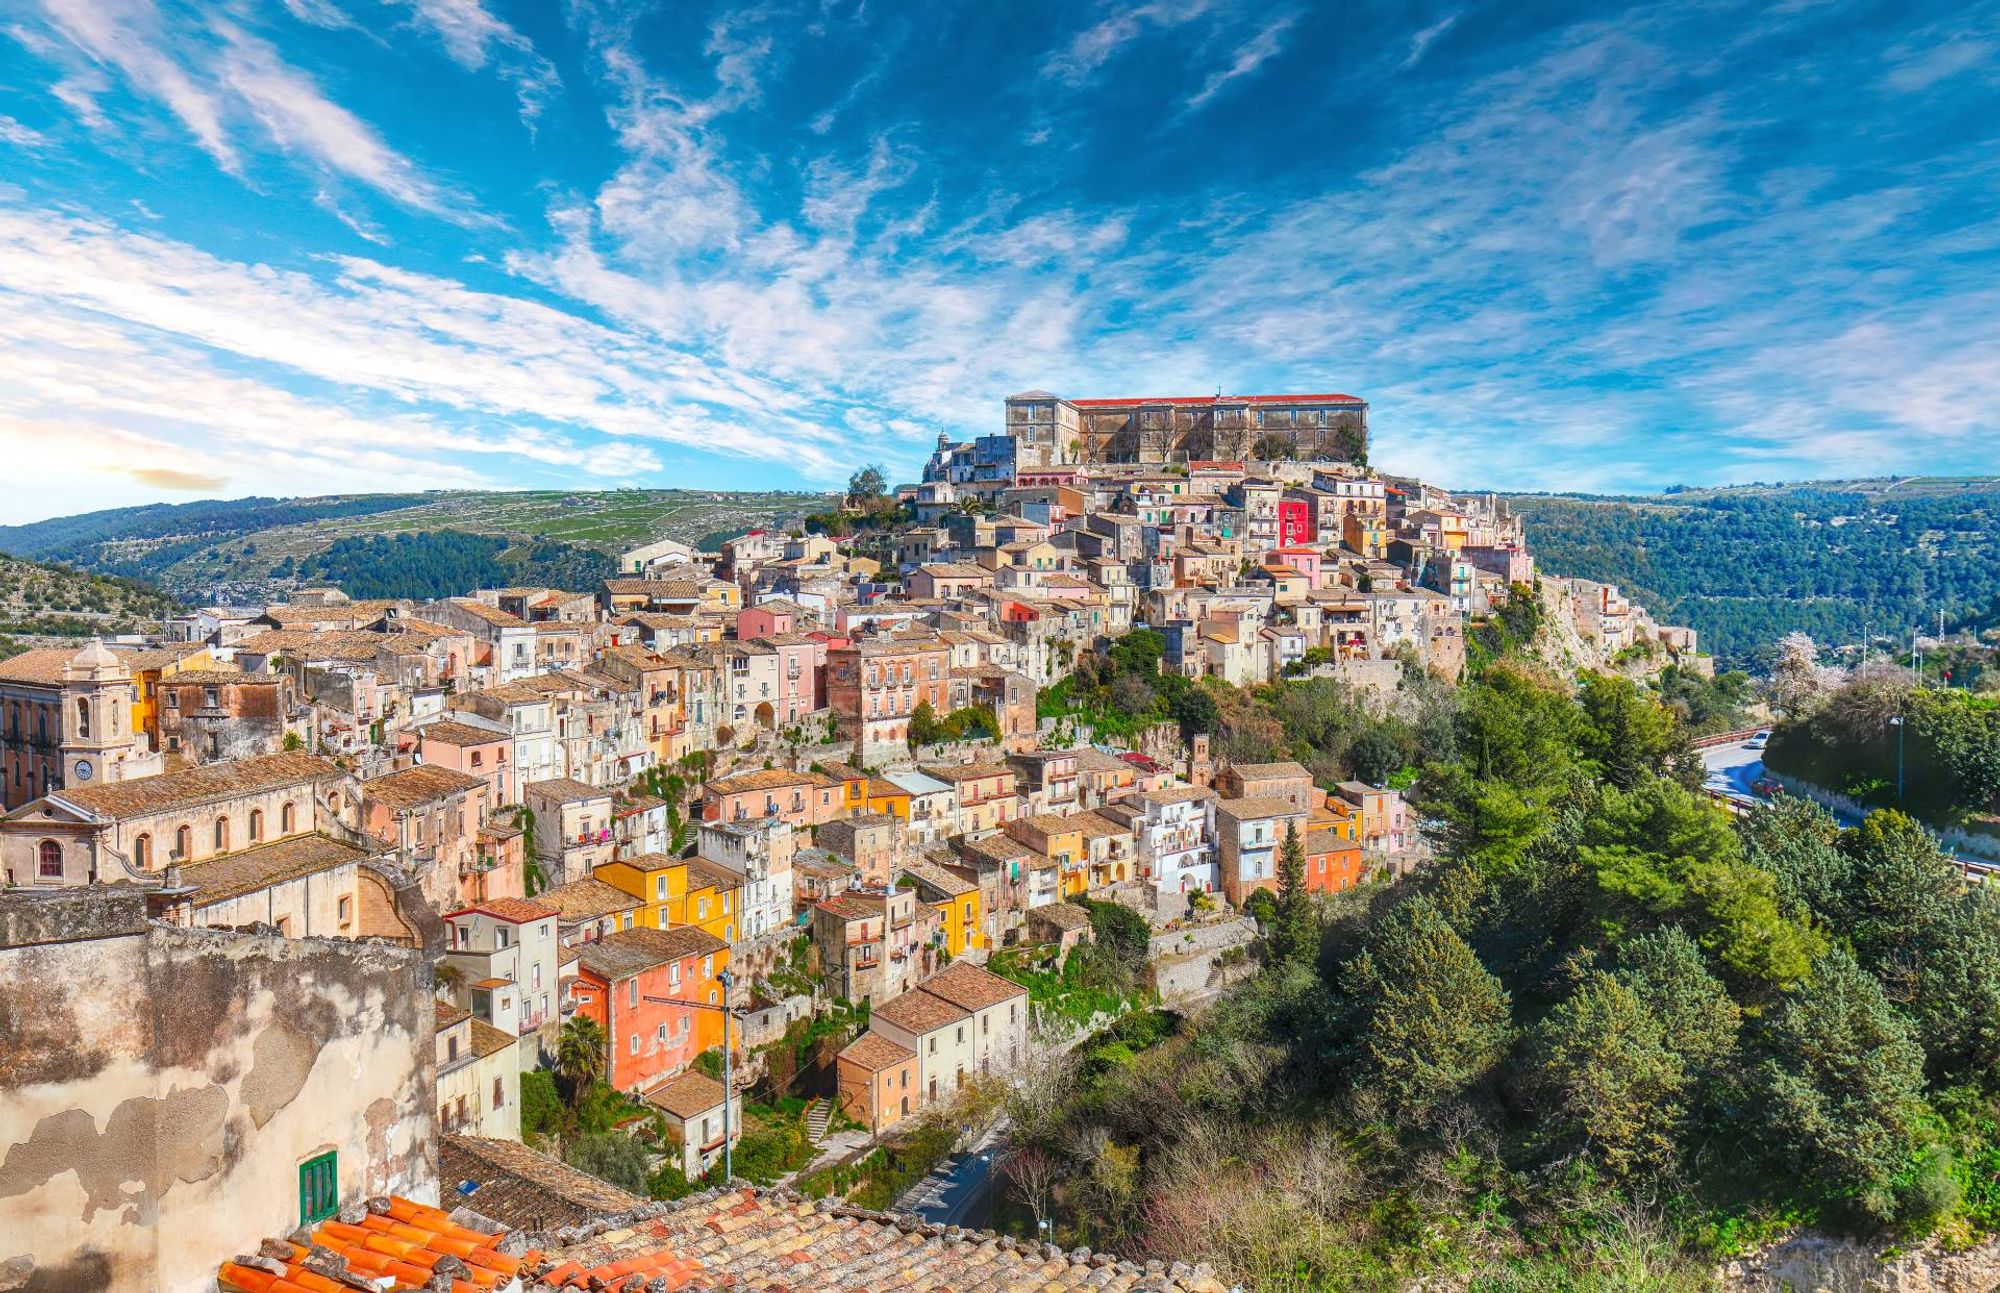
(250, 549)
(1748, 564)
(39, 600)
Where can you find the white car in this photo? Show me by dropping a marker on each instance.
(1758, 741)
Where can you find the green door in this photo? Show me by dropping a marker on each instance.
(319, 1188)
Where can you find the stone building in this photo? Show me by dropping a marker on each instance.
(172, 1090)
(1048, 430)
(214, 715)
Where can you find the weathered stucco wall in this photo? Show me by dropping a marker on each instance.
(161, 1087)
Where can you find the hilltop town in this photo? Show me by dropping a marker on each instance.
(315, 892)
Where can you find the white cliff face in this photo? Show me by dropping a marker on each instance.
(1812, 1263)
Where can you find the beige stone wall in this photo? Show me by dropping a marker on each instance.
(1810, 1263)
(164, 1086)
(309, 906)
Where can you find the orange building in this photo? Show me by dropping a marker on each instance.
(1333, 849)
(628, 981)
(874, 685)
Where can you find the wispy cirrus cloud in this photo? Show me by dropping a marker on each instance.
(1260, 49)
(475, 38)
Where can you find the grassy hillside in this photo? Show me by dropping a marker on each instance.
(45, 600)
(252, 548)
(1746, 565)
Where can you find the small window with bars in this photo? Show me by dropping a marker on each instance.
(319, 1188)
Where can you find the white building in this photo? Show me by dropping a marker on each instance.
(760, 851)
(1174, 830)
(504, 951)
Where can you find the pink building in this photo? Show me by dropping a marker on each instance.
(767, 619)
(475, 751)
(1309, 562)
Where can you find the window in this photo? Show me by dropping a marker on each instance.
(288, 819)
(211, 698)
(662, 1034)
(83, 716)
(221, 834)
(184, 842)
(319, 1188)
(502, 936)
(632, 993)
(256, 825)
(476, 759)
(346, 910)
(635, 1043)
(50, 862)
(450, 1049)
(499, 1093)
(142, 852)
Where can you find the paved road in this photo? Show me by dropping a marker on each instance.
(959, 1191)
(1733, 771)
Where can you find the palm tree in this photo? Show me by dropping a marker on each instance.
(580, 1056)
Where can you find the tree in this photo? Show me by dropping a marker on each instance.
(1602, 1062)
(1841, 1085)
(1627, 735)
(1898, 887)
(1376, 754)
(580, 1056)
(1798, 842)
(611, 1156)
(1295, 936)
(1798, 682)
(867, 484)
(1698, 1021)
(1437, 1021)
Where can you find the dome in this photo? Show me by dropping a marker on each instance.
(94, 661)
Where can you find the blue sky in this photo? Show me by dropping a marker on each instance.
(329, 245)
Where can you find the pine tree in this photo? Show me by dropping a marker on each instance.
(1295, 937)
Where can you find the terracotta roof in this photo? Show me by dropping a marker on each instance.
(968, 771)
(233, 875)
(1063, 915)
(630, 951)
(488, 1040)
(587, 899)
(690, 1095)
(1244, 809)
(1177, 794)
(448, 732)
(1095, 825)
(853, 906)
(122, 799)
(874, 1052)
(1270, 771)
(968, 987)
(760, 779)
(936, 877)
(518, 1187)
(765, 1242)
(221, 677)
(648, 862)
(422, 784)
(565, 790)
(398, 1246)
(920, 1012)
(517, 911)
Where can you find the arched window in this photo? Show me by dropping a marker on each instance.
(142, 852)
(184, 843)
(222, 835)
(288, 819)
(83, 716)
(256, 825)
(50, 860)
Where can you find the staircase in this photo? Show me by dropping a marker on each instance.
(818, 1115)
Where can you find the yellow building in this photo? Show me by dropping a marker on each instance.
(888, 797)
(955, 899)
(148, 667)
(678, 892)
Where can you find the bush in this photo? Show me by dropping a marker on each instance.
(612, 1157)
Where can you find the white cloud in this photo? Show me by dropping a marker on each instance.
(473, 37)
(1253, 54)
(301, 119)
(1420, 44)
(127, 35)
(1103, 40)
(20, 136)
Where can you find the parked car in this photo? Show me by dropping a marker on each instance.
(1758, 740)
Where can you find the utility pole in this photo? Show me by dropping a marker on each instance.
(1897, 723)
(727, 1012)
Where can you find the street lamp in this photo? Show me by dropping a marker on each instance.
(727, 1012)
(1897, 723)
